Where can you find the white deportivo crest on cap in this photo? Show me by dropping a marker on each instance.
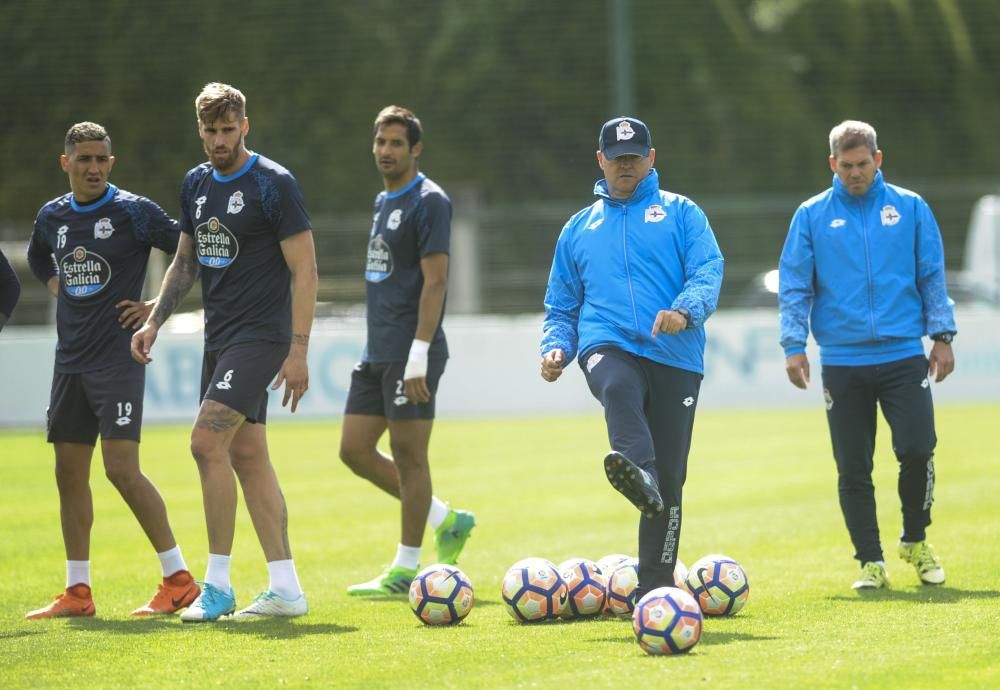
(624, 136)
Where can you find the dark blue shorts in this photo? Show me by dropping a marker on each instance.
(377, 389)
(237, 376)
(106, 402)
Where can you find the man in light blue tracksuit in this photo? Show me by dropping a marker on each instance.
(863, 265)
(634, 277)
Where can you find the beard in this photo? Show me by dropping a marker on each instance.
(228, 160)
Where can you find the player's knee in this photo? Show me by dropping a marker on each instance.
(70, 477)
(919, 453)
(408, 457)
(205, 449)
(122, 477)
(355, 459)
(616, 390)
(243, 455)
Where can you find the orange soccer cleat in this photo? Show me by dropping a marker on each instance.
(74, 601)
(175, 593)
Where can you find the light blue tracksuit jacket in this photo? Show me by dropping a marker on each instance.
(866, 273)
(620, 261)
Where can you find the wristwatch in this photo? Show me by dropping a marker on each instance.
(686, 314)
(944, 337)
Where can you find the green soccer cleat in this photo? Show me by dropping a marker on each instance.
(392, 581)
(873, 576)
(922, 557)
(451, 535)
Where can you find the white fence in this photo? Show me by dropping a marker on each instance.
(493, 369)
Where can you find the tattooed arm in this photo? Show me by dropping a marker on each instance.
(178, 280)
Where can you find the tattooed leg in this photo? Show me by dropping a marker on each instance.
(213, 433)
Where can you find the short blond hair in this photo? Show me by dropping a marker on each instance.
(218, 101)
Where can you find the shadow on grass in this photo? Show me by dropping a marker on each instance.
(930, 594)
(404, 599)
(266, 628)
(710, 638)
(14, 634)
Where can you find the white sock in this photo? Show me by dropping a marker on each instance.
(217, 573)
(407, 557)
(171, 561)
(284, 579)
(77, 573)
(437, 513)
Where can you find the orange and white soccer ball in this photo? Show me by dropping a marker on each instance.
(719, 584)
(587, 588)
(441, 595)
(533, 590)
(667, 620)
(621, 588)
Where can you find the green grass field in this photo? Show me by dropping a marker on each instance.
(761, 488)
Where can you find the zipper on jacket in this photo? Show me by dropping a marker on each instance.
(868, 268)
(628, 272)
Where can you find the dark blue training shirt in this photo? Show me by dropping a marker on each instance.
(237, 222)
(99, 251)
(409, 224)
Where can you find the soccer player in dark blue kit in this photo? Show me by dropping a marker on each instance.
(394, 384)
(863, 268)
(245, 228)
(10, 290)
(90, 248)
(634, 277)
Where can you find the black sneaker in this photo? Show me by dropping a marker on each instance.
(634, 483)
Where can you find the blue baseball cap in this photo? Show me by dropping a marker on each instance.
(622, 136)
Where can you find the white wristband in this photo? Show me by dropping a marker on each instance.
(416, 363)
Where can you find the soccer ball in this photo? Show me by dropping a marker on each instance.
(719, 584)
(611, 561)
(667, 621)
(587, 588)
(621, 587)
(680, 574)
(441, 595)
(533, 590)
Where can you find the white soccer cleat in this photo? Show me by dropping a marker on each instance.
(272, 604)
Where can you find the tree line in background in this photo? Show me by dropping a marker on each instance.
(739, 94)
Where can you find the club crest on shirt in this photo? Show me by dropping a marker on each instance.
(395, 218)
(235, 203)
(199, 202)
(215, 245)
(379, 263)
(889, 214)
(655, 213)
(624, 130)
(83, 273)
(103, 229)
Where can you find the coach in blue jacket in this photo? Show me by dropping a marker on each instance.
(634, 277)
(863, 266)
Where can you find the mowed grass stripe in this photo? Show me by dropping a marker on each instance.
(761, 488)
